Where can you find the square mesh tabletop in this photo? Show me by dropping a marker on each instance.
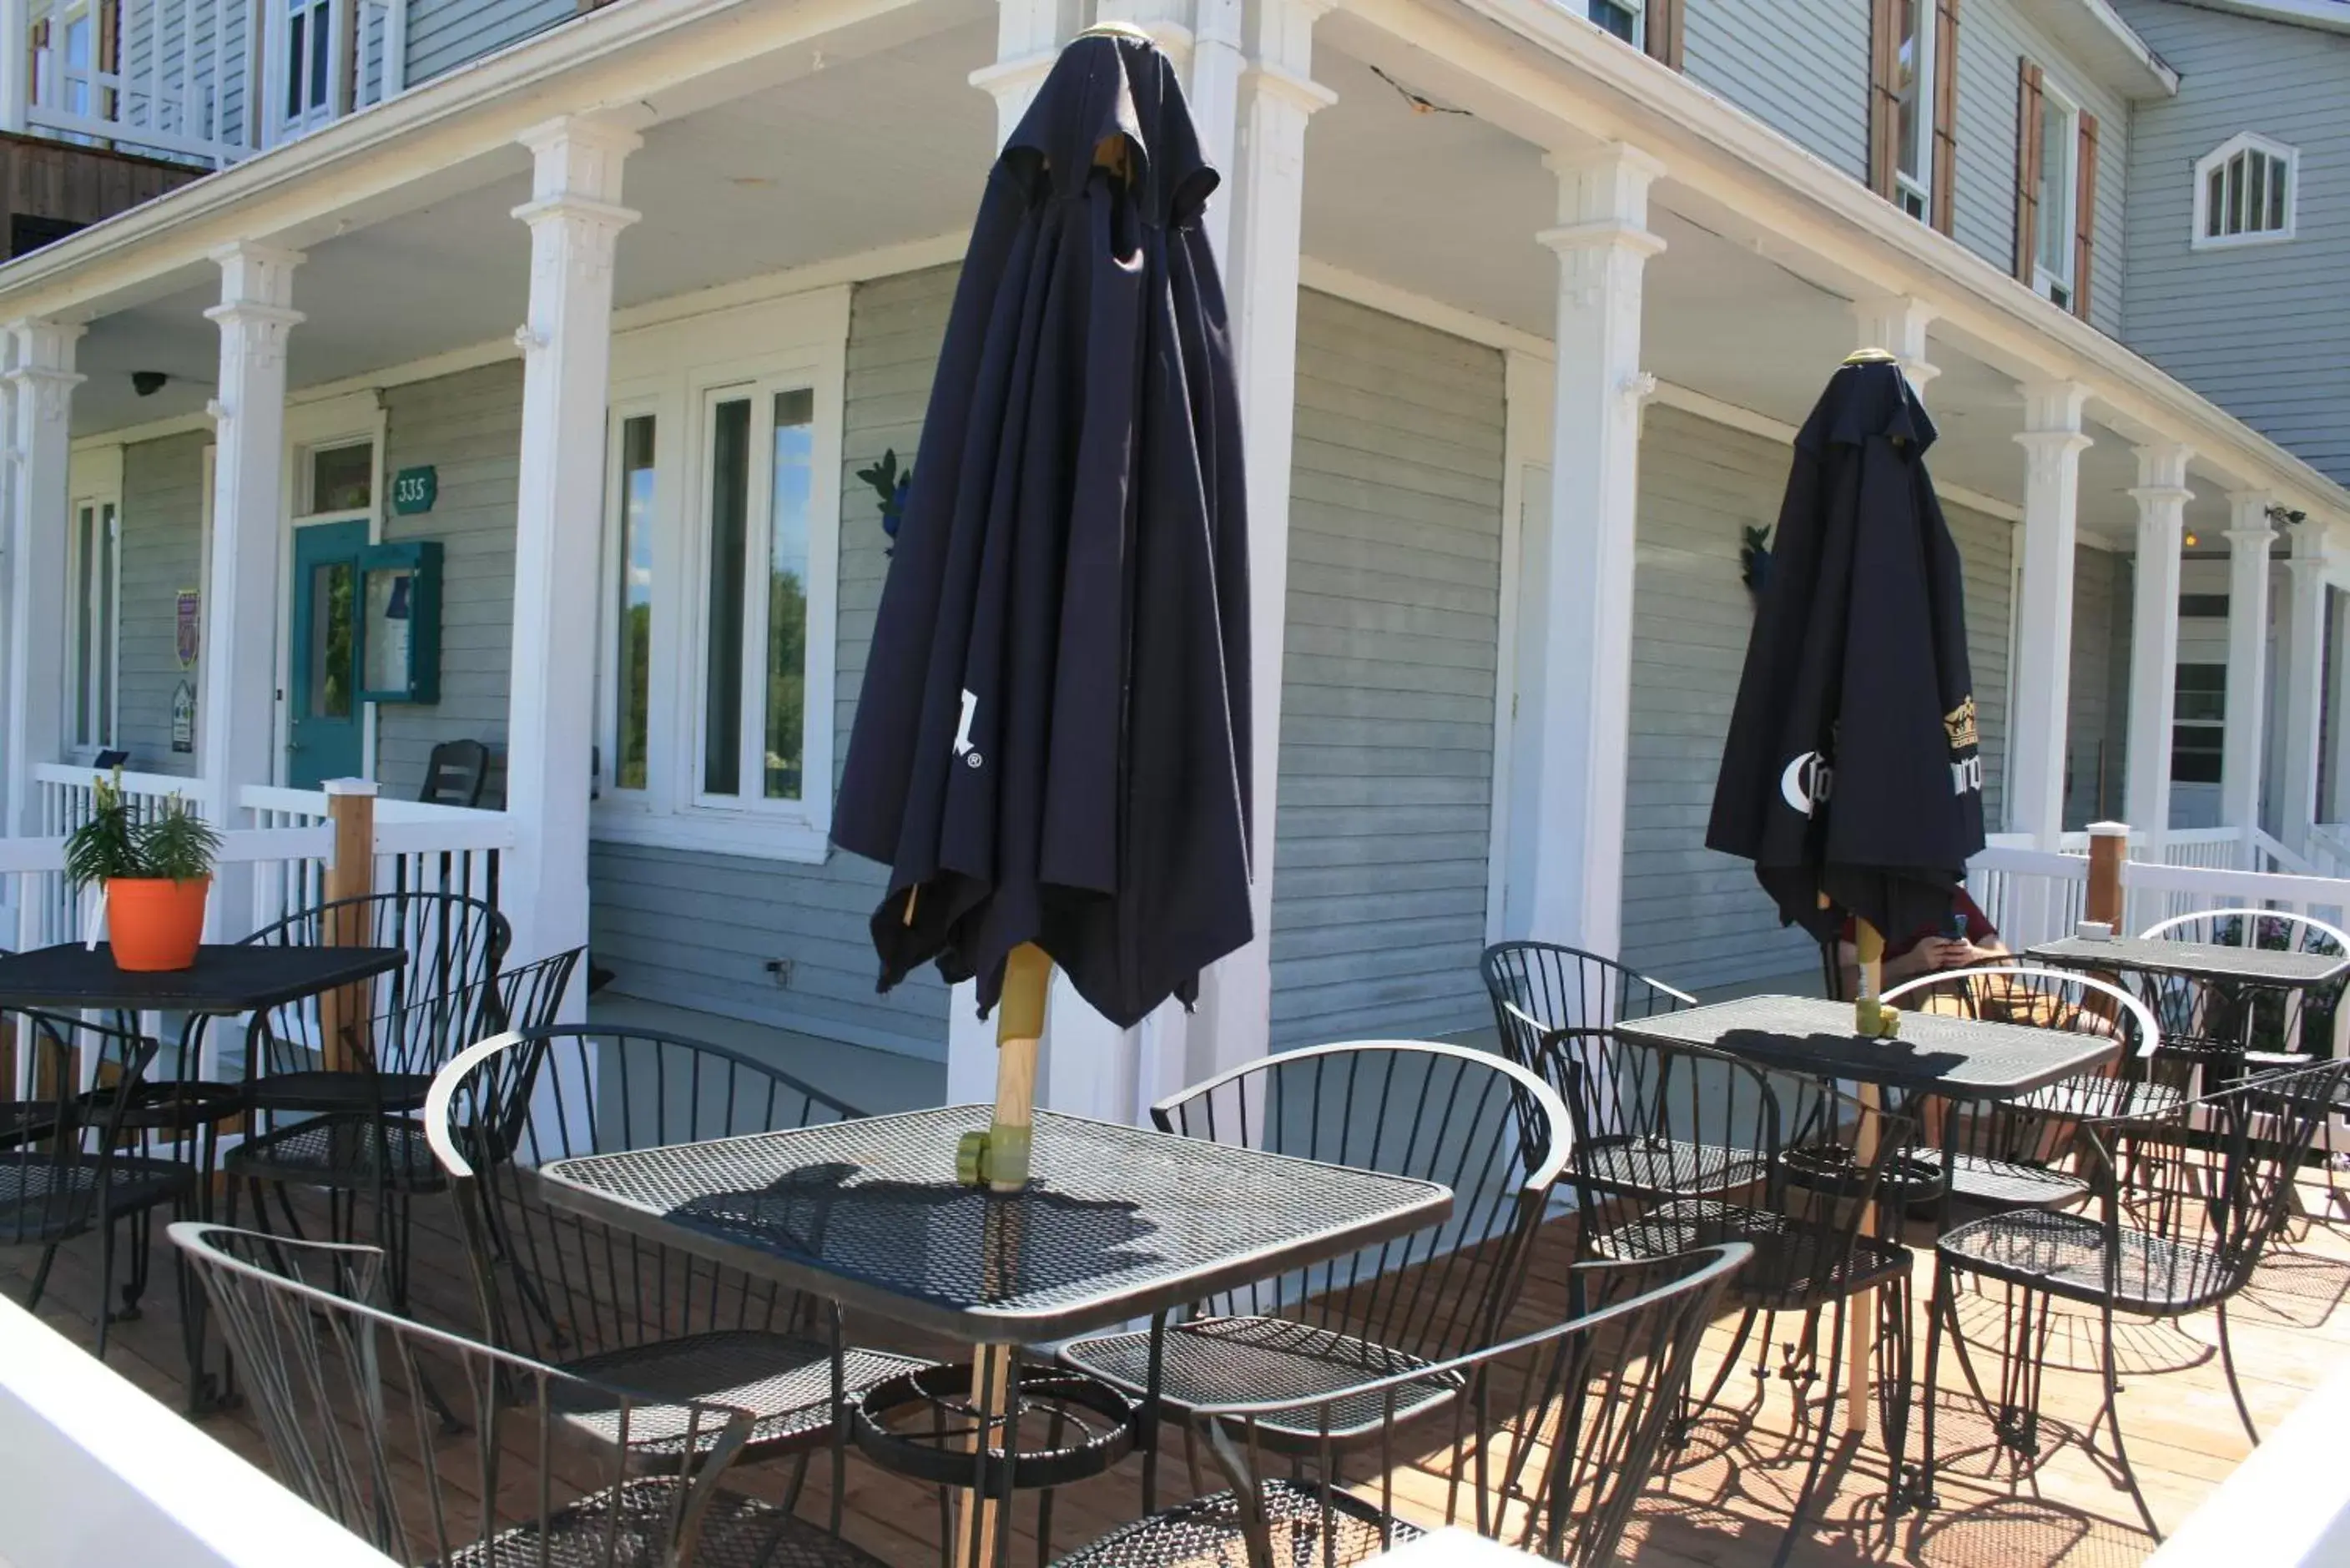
(1964, 1058)
(2200, 961)
(226, 978)
(1117, 1221)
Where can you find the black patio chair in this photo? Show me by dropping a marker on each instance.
(369, 1142)
(456, 773)
(1555, 1436)
(2014, 1154)
(339, 1388)
(2183, 1207)
(1559, 987)
(566, 1289)
(1429, 1112)
(68, 1166)
(1681, 1146)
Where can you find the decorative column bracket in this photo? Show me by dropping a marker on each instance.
(41, 384)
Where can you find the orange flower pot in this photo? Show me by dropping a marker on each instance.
(155, 924)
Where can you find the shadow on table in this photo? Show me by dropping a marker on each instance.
(1842, 1056)
(954, 1246)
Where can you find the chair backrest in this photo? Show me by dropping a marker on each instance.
(1552, 1439)
(2023, 993)
(1681, 1146)
(344, 1395)
(2312, 1020)
(1479, 1124)
(456, 773)
(1566, 988)
(2209, 1184)
(410, 1019)
(530, 995)
(559, 1285)
(59, 1138)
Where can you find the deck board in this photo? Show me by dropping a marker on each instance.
(1723, 1502)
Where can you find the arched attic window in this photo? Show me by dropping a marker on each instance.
(2244, 192)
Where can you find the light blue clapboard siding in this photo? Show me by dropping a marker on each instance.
(444, 33)
(697, 930)
(468, 426)
(1693, 918)
(1801, 66)
(2261, 330)
(1987, 553)
(1387, 682)
(1994, 37)
(163, 552)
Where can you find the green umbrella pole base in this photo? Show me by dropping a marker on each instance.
(997, 1158)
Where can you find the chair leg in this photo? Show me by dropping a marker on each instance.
(1821, 1437)
(2114, 1415)
(107, 1226)
(1945, 1279)
(41, 1276)
(141, 1235)
(2228, 1360)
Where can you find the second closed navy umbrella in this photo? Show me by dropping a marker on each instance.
(1851, 776)
(1054, 730)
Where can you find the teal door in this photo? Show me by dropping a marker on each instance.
(323, 736)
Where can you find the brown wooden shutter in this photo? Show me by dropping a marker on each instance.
(1884, 94)
(2027, 167)
(1664, 32)
(2085, 216)
(1946, 114)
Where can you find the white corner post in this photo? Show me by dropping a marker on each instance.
(2337, 808)
(2053, 443)
(15, 64)
(2300, 707)
(2249, 537)
(1265, 191)
(41, 445)
(2162, 495)
(1897, 324)
(574, 218)
(1569, 750)
(236, 712)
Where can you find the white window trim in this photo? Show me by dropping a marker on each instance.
(2043, 282)
(77, 611)
(1920, 186)
(669, 372)
(2246, 141)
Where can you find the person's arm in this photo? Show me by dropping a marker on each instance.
(1923, 959)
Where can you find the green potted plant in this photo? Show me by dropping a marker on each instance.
(155, 873)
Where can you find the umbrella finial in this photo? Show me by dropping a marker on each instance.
(1871, 357)
(1116, 30)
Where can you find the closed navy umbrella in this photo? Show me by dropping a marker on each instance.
(1055, 724)
(1851, 776)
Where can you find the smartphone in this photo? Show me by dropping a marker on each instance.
(1958, 927)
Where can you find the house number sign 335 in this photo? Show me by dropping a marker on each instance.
(414, 490)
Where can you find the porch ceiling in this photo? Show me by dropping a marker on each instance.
(794, 174)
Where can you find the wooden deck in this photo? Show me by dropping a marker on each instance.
(1726, 1498)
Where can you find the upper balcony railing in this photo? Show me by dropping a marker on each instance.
(196, 81)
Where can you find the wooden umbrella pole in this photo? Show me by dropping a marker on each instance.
(1871, 1017)
(1000, 1158)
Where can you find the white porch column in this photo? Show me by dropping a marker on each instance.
(42, 381)
(1570, 855)
(15, 64)
(575, 219)
(1265, 195)
(1028, 38)
(236, 712)
(1897, 324)
(2298, 709)
(2162, 495)
(2052, 444)
(2249, 537)
(2337, 808)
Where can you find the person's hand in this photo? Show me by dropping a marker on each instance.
(1941, 952)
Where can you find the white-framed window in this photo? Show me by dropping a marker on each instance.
(1913, 111)
(721, 581)
(305, 53)
(2245, 190)
(94, 572)
(2058, 186)
(1621, 17)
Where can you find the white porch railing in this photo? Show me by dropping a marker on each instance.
(178, 79)
(2034, 896)
(282, 849)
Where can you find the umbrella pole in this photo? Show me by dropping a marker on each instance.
(999, 1159)
(1871, 1017)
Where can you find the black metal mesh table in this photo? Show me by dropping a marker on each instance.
(1960, 1058)
(225, 978)
(2261, 967)
(1117, 1222)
